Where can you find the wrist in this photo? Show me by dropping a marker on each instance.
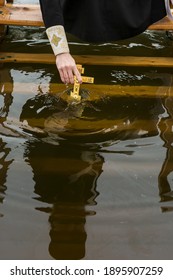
(65, 53)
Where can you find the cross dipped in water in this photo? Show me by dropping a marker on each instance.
(75, 93)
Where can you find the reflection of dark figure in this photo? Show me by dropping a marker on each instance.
(4, 110)
(116, 118)
(165, 126)
(66, 178)
(4, 165)
(65, 175)
(6, 88)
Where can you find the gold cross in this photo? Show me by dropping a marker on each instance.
(75, 93)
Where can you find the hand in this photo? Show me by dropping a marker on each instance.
(67, 68)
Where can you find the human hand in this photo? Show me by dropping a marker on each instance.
(67, 68)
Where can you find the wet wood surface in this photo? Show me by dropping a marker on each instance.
(89, 60)
(24, 15)
(95, 91)
(163, 24)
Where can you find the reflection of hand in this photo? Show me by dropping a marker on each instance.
(67, 68)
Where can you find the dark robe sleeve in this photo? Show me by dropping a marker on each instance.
(103, 20)
(51, 12)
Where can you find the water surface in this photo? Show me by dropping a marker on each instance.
(91, 180)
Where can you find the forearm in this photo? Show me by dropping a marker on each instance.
(51, 12)
(54, 23)
(53, 19)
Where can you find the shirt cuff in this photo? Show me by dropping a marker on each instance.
(57, 37)
(168, 8)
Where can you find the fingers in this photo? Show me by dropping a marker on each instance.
(66, 75)
(77, 74)
(67, 69)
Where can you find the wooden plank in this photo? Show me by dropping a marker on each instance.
(163, 24)
(90, 60)
(124, 61)
(96, 91)
(25, 15)
(2, 2)
(26, 58)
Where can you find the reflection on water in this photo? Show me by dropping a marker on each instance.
(4, 151)
(113, 118)
(87, 180)
(165, 127)
(66, 145)
(66, 179)
(4, 165)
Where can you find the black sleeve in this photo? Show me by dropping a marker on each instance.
(51, 12)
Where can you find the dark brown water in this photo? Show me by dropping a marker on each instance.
(90, 180)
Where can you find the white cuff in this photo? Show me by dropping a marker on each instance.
(168, 8)
(57, 38)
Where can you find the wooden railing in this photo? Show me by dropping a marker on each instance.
(24, 15)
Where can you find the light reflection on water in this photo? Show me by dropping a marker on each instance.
(90, 180)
